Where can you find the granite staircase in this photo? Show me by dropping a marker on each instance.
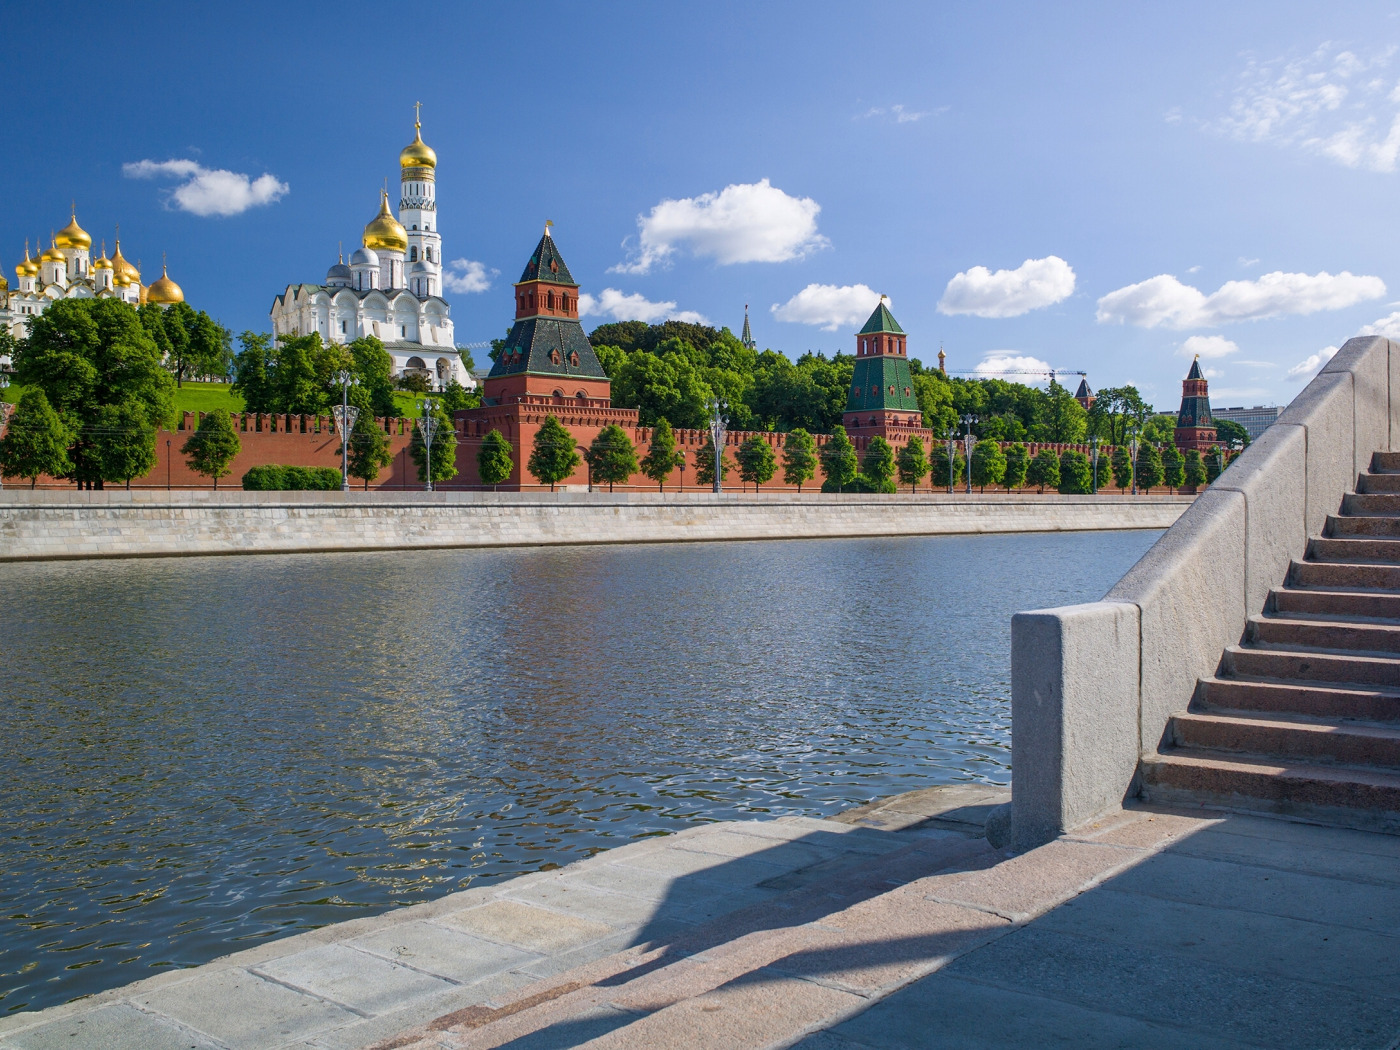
(1303, 717)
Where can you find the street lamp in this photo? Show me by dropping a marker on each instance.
(1094, 459)
(967, 422)
(345, 416)
(718, 428)
(5, 409)
(1133, 450)
(427, 427)
(950, 435)
(680, 462)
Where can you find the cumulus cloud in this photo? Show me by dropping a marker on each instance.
(1332, 103)
(1008, 293)
(1165, 301)
(468, 275)
(1309, 366)
(899, 113)
(1207, 346)
(744, 222)
(1007, 362)
(635, 307)
(209, 191)
(829, 305)
(1388, 326)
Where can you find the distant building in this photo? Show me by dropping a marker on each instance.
(1084, 395)
(1195, 427)
(747, 338)
(1256, 420)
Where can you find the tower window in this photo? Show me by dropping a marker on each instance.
(413, 252)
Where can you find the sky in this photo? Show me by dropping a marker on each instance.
(1111, 188)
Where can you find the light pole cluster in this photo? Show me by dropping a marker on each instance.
(345, 416)
(719, 426)
(967, 422)
(1133, 450)
(427, 427)
(1094, 464)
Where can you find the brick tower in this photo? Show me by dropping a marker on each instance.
(547, 355)
(882, 399)
(1194, 426)
(1084, 395)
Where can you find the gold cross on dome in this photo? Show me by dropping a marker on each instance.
(417, 114)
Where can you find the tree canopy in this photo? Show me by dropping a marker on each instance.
(611, 456)
(213, 445)
(912, 462)
(555, 453)
(494, 460)
(799, 458)
(662, 456)
(838, 459)
(296, 374)
(36, 440)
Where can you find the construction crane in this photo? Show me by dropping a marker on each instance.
(1051, 372)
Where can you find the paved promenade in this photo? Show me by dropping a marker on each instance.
(894, 925)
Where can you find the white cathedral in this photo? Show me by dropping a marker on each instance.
(392, 288)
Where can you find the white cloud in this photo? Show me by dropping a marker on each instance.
(1248, 264)
(1165, 301)
(899, 113)
(1331, 103)
(1005, 361)
(1307, 367)
(1212, 373)
(468, 275)
(1388, 326)
(744, 222)
(1207, 346)
(210, 191)
(1008, 293)
(635, 307)
(1173, 115)
(828, 305)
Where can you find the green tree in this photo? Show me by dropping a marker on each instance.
(1173, 467)
(1104, 477)
(1076, 477)
(1044, 470)
(194, 344)
(495, 459)
(252, 369)
(838, 458)
(1149, 467)
(212, 446)
(443, 448)
(123, 442)
(661, 456)
(1229, 432)
(1064, 418)
(554, 456)
(1122, 467)
(36, 441)
(611, 456)
(878, 464)
(912, 463)
(456, 397)
(988, 464)
(1159, 429)
(1193, 468)
(296, 386)
(757, 462)
(1017, 460)
(705, 463)
(939, 472)
(1213, 463)
(369, 448)
(373, 367)
(1112, 410)
(799, 458)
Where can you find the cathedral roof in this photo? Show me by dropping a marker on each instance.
(881, 321)
(546, 264)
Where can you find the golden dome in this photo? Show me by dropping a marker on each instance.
(52, 254)
(144, 291)
(122, 267)
(417, 154)
(384, 233)
(102, 262)
(163, 290)
(73, 236)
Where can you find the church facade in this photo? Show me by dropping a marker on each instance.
(391, 288)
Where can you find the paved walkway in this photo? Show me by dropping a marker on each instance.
(895, 925)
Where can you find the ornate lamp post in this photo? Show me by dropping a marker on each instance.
(1094, 460)
(345, 416)
(5, 409)
(718, 428)
(680, 462)
(967, 422)
(1133, 450)
(950, 435)
(427, 427)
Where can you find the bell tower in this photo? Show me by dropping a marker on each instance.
(1194, 426)
(882, 387)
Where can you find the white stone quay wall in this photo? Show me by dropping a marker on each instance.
(120, 523)
(1093, 685)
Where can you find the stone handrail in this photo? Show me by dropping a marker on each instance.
(1092, 686)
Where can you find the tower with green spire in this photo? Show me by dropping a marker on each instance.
(747, 337)
(882, 387)
(1195, 428)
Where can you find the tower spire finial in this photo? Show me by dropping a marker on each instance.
(417, 114)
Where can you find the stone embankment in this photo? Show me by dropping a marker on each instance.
(119, 523)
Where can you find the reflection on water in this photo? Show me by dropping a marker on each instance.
(201, 753)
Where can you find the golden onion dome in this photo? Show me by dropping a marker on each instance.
(73, 236)
(163, 290)
(52, 254)
(122, 267)
(144, 291)
(102, 262)
(384, 233)
(417, 154)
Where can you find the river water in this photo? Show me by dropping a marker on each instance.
(203, 753)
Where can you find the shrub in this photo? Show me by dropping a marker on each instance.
(272, 477)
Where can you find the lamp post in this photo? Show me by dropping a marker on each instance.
(5, 409)
(1133, 451)
(427, 427)
(345, 416)
(950, 435)
(680, 462)
(718, 429)
(1094, 461)
(967, 422)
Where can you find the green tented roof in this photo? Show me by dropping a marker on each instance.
(533, 342)
(871, 383)
(881, 321)
(546, 264)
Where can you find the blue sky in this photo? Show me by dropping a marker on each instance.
(1135, 183)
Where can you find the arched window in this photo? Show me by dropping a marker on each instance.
(549, 300)
(554, 358)
(573, 359)
(413, 252)
(581, 396)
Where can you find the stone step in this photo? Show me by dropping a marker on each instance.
(1369, 525)
(1371, 503)
(1362, 636)
(1363, 798)
(1343, 669)
(1280, 697)
(1378, 483)
(1331, 741)
(1385, 462)
(1327, 548)
(1289, 602)
(1344, 576)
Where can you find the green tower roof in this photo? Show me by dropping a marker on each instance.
(546, 264)
(881, 321)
